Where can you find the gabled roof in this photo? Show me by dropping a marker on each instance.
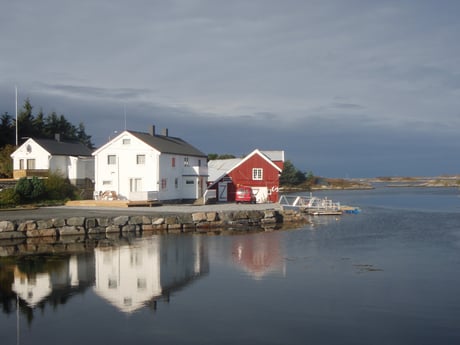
(161, 143)
(220, 167)
(167, 144)
(63, 148)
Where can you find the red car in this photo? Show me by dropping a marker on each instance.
(245, 194)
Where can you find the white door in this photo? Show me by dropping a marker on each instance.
(222, 190)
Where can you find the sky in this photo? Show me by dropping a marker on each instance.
(347, 88)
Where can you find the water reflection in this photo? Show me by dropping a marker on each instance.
(259, 255)
(129, 276)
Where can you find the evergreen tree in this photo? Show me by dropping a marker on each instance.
(7, 130)
(290, 176)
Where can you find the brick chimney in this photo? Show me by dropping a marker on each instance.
(152, 130)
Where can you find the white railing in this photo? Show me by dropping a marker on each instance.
(209, 194)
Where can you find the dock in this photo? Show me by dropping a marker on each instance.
(315, 206)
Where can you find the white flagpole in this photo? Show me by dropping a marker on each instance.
(16, 89)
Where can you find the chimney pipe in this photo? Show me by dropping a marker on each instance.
(165, 132)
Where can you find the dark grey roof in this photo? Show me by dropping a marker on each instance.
(167, 144)
(64, 148)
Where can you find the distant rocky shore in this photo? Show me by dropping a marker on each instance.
(369, 183)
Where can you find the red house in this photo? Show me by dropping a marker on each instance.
(259, 170)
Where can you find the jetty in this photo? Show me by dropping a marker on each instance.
(315, 206)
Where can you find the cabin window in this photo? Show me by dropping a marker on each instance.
(257, 174)
(163, 183)
(111, 159)
(30, 164)
(186, 162)
(126, 141)
(140, 159)
(173, 162)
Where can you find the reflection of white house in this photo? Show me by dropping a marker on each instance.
(36, 157)
(131, 276)
(148, 166)
(34, 288)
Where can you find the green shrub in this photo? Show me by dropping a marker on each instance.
(59, 188)
(30, 189)
(24, 188)
(9, 198)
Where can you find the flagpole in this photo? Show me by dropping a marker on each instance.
(16, 92)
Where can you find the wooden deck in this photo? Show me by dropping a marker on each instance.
(112, 203)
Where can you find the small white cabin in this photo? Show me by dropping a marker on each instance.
(36, 157)
(146, 166)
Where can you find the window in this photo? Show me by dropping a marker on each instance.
(186, 162)
(30, 164)
(111, 159)
(173, 162)
(21, 164)
(140, 159)
(106, 183)
(163, 183)
(176, 183)
(199, 162)
(135, 184)
(189, 182)
(257, 174)
(112, 284)
(141, 283)
(126, 141)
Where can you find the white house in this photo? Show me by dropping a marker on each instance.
(36, 157)
(147, 166)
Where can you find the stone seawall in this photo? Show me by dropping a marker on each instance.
(97, 227)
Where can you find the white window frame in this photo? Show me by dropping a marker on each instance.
(257, 174)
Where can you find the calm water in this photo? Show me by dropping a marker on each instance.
(389, 275)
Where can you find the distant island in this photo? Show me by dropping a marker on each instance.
(324, 183)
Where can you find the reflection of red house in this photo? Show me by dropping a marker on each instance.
(258, 255)
(259, 170)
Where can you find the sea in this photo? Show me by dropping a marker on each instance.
(388, 275)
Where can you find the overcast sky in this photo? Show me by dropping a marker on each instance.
(347, 88)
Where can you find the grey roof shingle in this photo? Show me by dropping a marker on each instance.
(167, 144)
(64, 148)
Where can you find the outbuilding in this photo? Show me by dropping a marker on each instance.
(259, 170)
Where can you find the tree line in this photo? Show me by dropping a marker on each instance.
(39, 126)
